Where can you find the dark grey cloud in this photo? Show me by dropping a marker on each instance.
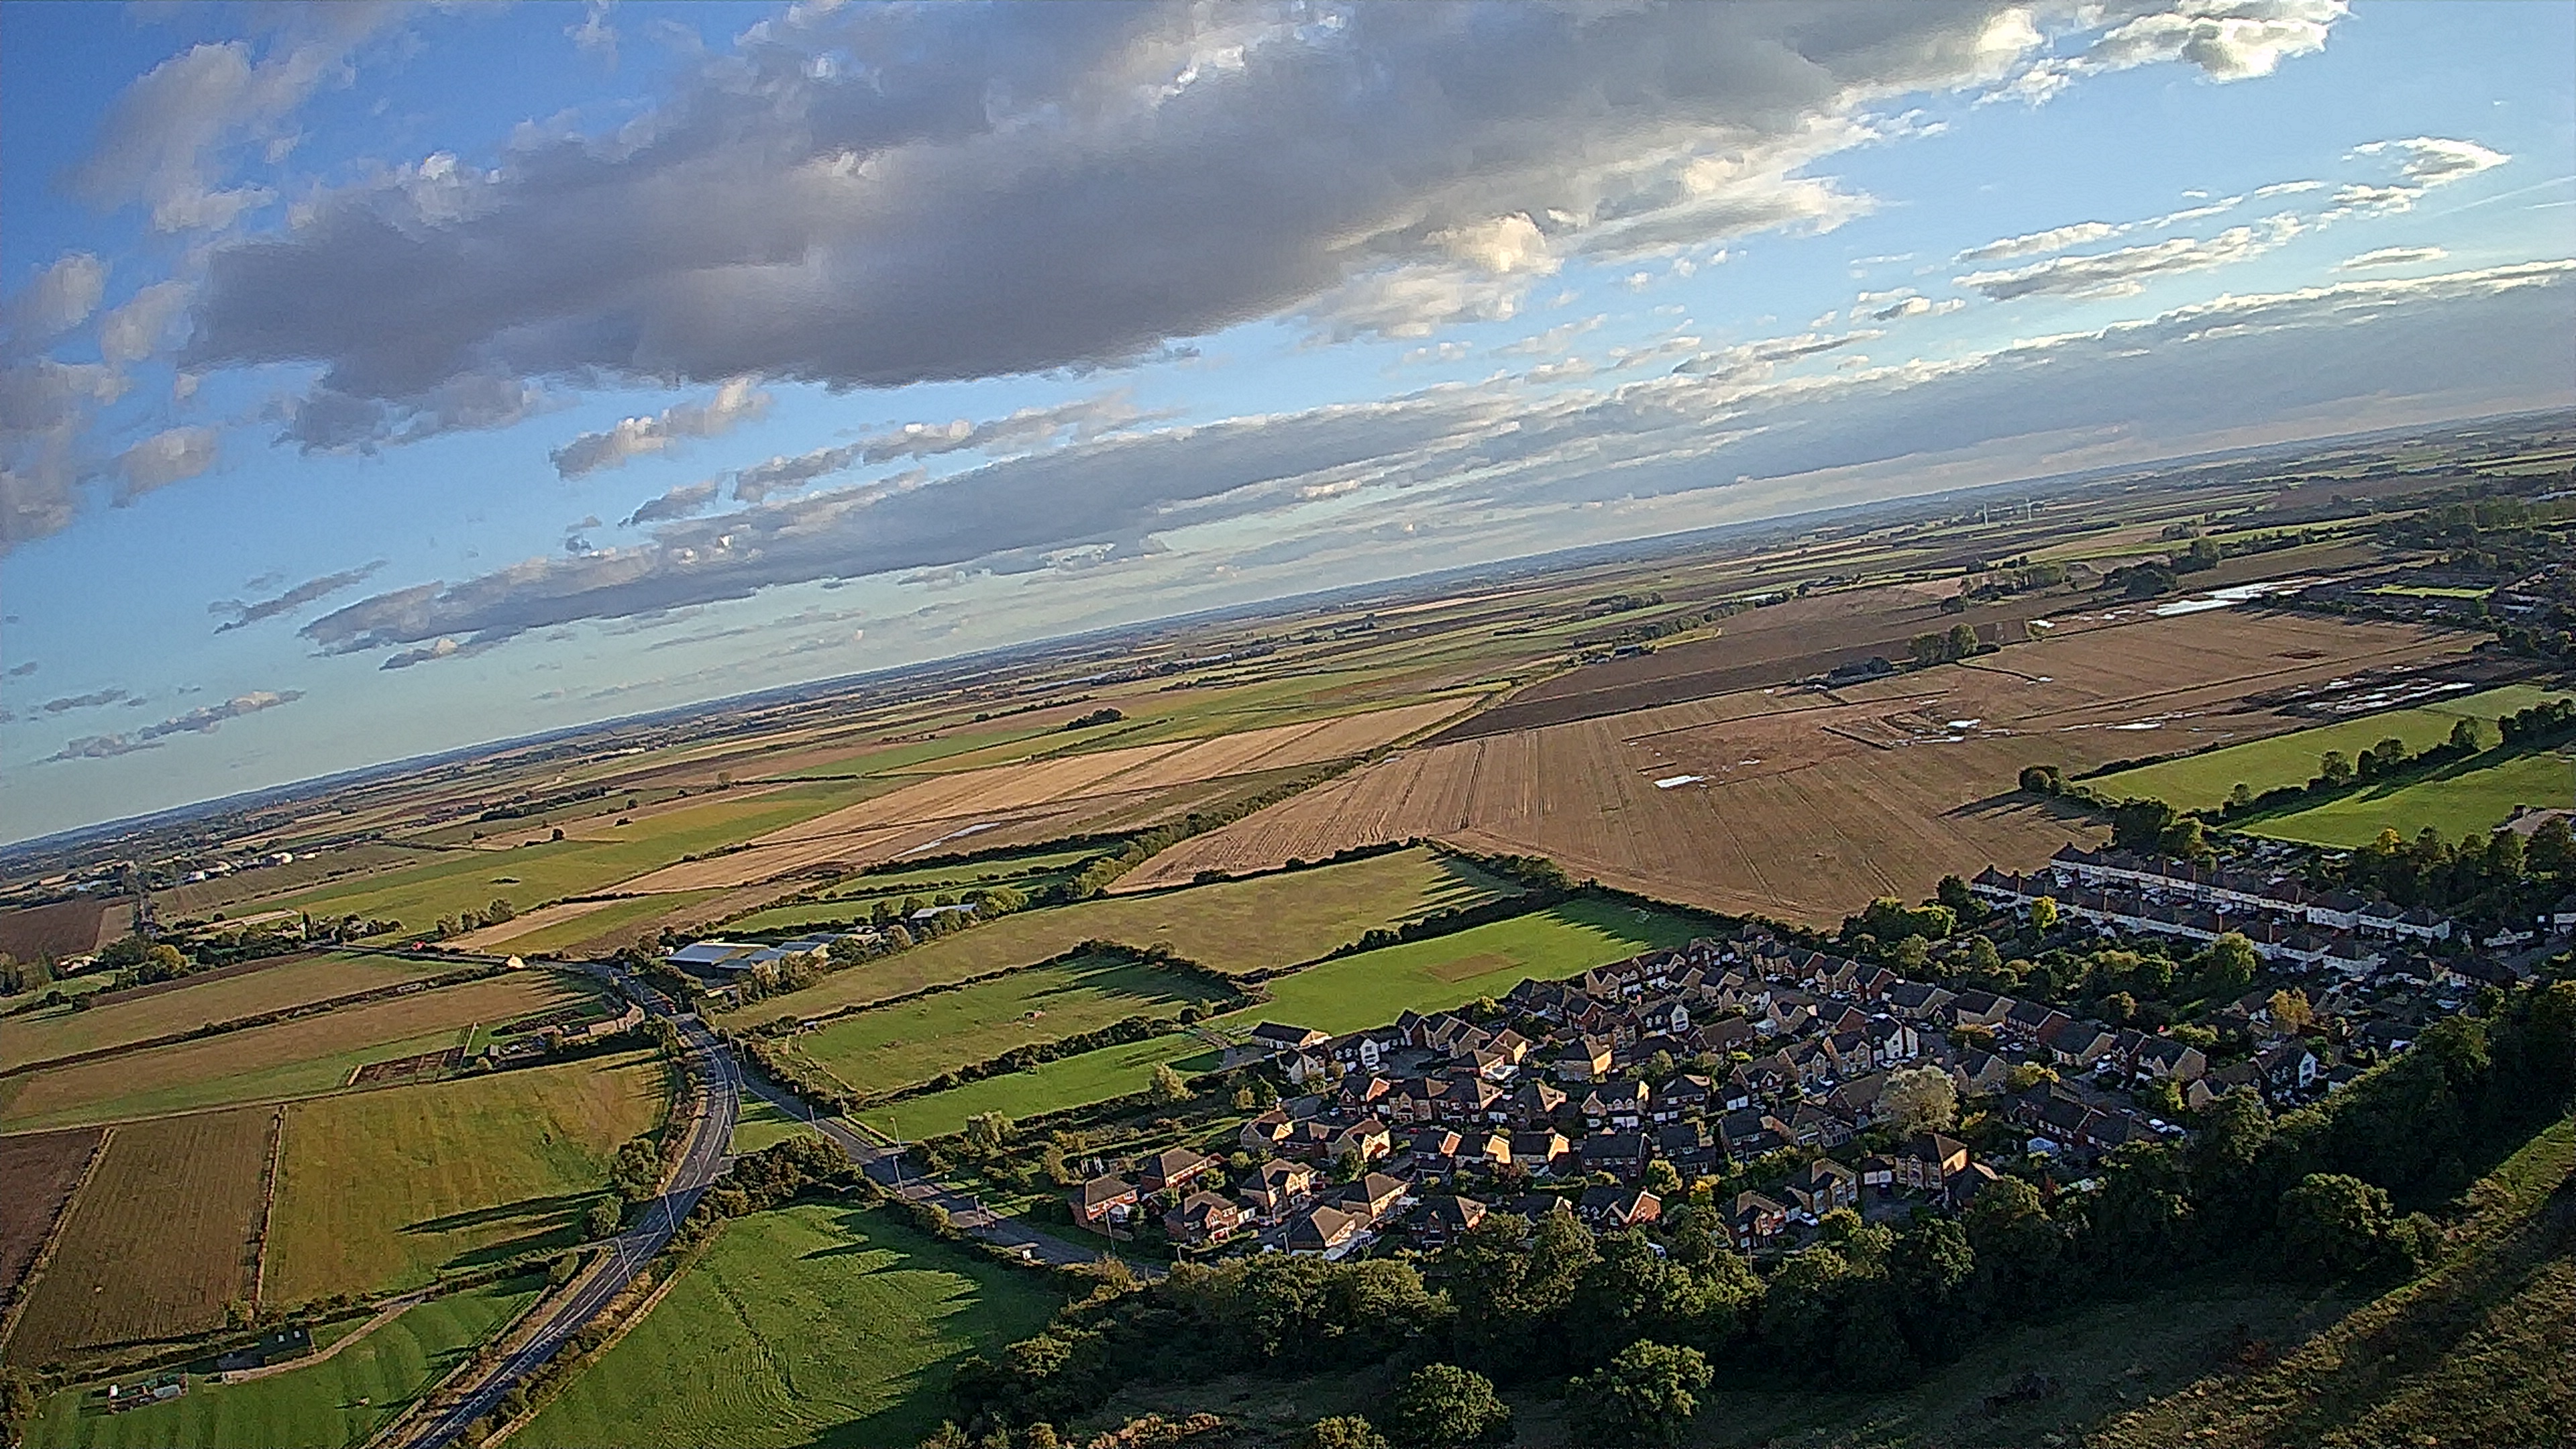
(329, 421)
(24, 668)
(95, 699)
(1028, 428)
(992, 190)
(734, 403)
(236, 614)
(680, 502)
(203, 720)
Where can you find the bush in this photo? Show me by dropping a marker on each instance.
(1442, 1405)
(1646, 1394)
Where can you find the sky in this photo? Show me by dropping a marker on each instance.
(377, 379)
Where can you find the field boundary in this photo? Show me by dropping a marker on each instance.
(53, 1237)
(463, 977)
(267, 1206)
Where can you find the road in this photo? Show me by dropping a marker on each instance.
(884, 1165)
(705, 1157)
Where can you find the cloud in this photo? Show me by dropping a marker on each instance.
(2427, 161)
(96, 699)
(680, 502)
(203, 720)
(1010, 190)
(2228, 40)
(735, 402)
(1032, 427)
(1916, 307)
(2127, 271)
(237, 614)
(59, 299)
(170, 456)
(2055, 239)
(23, 668)
(329, 421)
(1551, 343)
(2391, 257)
(143, 326)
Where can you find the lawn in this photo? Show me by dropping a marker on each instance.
(895, 1046)
(2205, 779)
(383, 1190)
(338, 1402)
(1337, 996)
(818, 1325)
(301, 1058)
(761, 1124)
(287, 982)
(1235, 926)
(2467, 798)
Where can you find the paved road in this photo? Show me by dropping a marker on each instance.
(884, 1165)
(712, 1066)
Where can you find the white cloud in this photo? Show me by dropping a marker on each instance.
(2428, 161)
(2054, 239)
(736, 402)
(166, 457)
(2127, 271)
(2391, 257)
(142, 327)
(59, 299)
(203, 720)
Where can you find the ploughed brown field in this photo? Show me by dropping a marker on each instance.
(40, 1170)
(1807, 804)
(65, 928)
(157, 1243)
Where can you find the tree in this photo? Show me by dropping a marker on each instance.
(1645, 1395)
(2290, 1010)
(2228, 965)
(2334, 1224)
(988, 1132)
(1342, 1431)
(500, 910)
(1441, 1405)
(2043, 913)
(1662, 1179)
(1963, 641)
(602, 1219)
(2465, 737)
(2334, 769)
(1920, 1099)
(1167, 1088)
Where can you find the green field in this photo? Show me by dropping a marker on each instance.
(895, 1046)
(383, 1190)
(762, 1124)
(338, 1402)
(2459, 800)
(289, 982)
(1236, 926)
(1337, 996)
(820, 1325)
(2198, 781)
(305, 1057)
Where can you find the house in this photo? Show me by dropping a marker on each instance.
(1203, 1219)
(1103, 1198)
(2287, 1067)
(1324, 1231)
(1370, 1197)
(1680, 1099)
(1878, 1173)
(1277, 1189)
(2164, 1059)
(1443, 1218)
(1434, 1149)
(1686, 1146)
(1608, 1209)
(1619, 1105)
(1585, 1059)
(1533, 1103)
(1824, 1185)
(1539, 1151)
(1758, 1221)
(1280, 1040)
(1930, 1160)
(1621, 1154)
(1173, 1168)
(1485, 1150)
(1265, 1133)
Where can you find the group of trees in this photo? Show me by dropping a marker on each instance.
(1639, 1322)
(492, 915)
(1958, 642)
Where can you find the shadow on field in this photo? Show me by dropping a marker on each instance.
(524, 1208)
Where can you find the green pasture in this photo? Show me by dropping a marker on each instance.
(341, 1401)
(2462, 799)
(2197, 781)
(814, 1325)
(1232, 926)
(384, 1190)
(1094, 1076)
(762, 1124)
(590, 925)
(895, 1046)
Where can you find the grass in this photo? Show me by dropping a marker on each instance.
(591, 925)
(895, 1046)
(1235, 926)
(2463, 799)
(61, 1032)
(384, 1190)
(1336, 996)
(339, 1402)
(2197, 781)
(300, 1058)
(762, 1124)
(818, 1325)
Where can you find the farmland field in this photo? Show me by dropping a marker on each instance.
(2457, 800)
(1808, 804)
(763, 1124)
(563, 927)
(66, 928)
(1234, 927)
(41, 1169)
(333, 1404)
(157, 1242)
(2197, 781)
(383, 1190)
(300, 1058)
(819, 1324)
(141, 1016)
(1094, 1076)
(895, 1046)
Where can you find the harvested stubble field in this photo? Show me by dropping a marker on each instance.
(896, 1046)
(301, 1058)
(41, 1169)
(1234, 926)
(1037, 798)
(1807, 804)
(119, 1018)
(157, 1242)
(381, 1191)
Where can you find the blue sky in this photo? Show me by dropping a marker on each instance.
(381, 379)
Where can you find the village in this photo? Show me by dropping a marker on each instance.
(1829, 1081)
